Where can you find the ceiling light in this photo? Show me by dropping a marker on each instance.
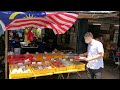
(97, 11)
(116, 25)
(96, 24)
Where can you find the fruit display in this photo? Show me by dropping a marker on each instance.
(40, 65)
(74, 58)
(79, 58)
(47, 65)
(20, 68)
(42, 68)
(43, 64)
(66, 63)
(79, 65)
(76, 63)
(69, 65)
(45, 53)
(15, 59)
(59, 66)
(57, 63)
(37, 65)
(27, 62)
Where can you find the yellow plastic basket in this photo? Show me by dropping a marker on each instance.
(59, 56)
(43, 71)
(81, 67)
(71, 67)
(38, 72)
(20, 75)
(58, 69)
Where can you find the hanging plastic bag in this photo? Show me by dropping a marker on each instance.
(30, 35)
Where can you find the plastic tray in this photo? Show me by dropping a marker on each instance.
(20, 75)
(81, 66)
(14, 59)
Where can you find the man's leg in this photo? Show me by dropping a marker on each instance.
(98, 73)
(90, 73)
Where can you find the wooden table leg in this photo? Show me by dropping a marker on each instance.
(79, 74)
(58, 76)
(35, 77)
(68, 76)
(62, 76)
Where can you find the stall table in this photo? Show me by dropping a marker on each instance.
(58, 71)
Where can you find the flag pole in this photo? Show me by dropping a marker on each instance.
(6, 54)
(6, 48)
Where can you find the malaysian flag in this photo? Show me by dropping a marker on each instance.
(59, 22)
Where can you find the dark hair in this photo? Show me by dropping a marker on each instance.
(88, 34)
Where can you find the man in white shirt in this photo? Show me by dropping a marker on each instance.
(95, 53)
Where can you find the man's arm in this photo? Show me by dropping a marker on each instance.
(96, 57)
(83, 55)
(100, 53)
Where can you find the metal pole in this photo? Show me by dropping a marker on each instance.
(6, 54)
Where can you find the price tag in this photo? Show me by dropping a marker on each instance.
(44, 57)
(53, 52)
(27, 53)
(71, 60)
(39, 63)
(45, 52)
(34, 58)
(36, 52)
(33, 62)
(20, 64)
(52, 59)
(66, 56)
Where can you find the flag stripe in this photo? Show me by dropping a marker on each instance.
(37, 22)
(64, 19)
(48, 26)
(30, 25)
(60, 22)
(51, 25)
(19, 26)
(67, 18)
(74, 16)
(26, 20)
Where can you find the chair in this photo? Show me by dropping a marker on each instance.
(116, 60)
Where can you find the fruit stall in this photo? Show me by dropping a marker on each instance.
(43, 64)
(36, 65)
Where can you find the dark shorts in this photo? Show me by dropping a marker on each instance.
(94, 73)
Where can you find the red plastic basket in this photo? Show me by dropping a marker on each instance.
(30, 56)
(14, 59)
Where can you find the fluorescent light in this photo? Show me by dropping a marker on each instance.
(101, 11)
(116, 25)
(97, 11)
(96, 24)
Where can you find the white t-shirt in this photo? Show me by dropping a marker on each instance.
(94, 49)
